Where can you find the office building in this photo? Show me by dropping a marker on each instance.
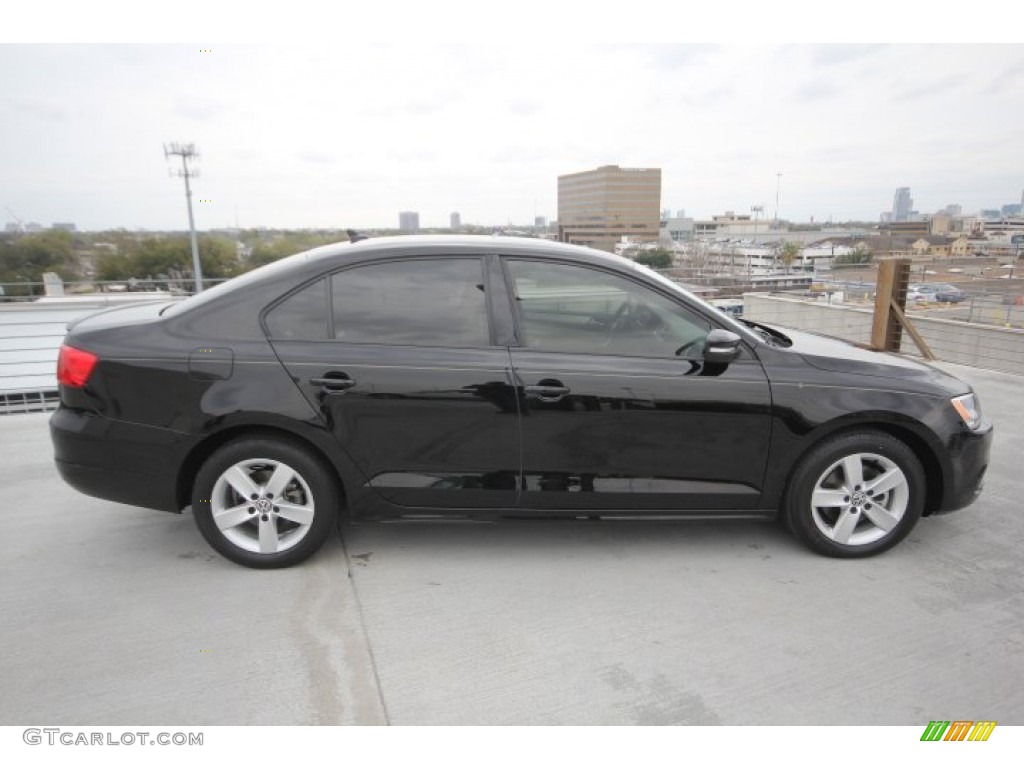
(902, 204)
(598, 208)
(456, 220)
(409, 222)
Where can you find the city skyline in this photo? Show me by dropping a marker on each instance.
(83, 127)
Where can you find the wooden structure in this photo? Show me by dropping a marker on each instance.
(890, 302)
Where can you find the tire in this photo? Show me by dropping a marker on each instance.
(855, 495)
(236, 502)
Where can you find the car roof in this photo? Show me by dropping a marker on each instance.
(464, 244)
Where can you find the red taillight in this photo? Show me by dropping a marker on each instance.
(74, 366)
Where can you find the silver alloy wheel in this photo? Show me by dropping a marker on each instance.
(262, 506)
(859, 499)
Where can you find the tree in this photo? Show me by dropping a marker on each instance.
(264, 252)
(156, 256)
(657, 258)
(860, 255)
(788, 253)
(25, 258)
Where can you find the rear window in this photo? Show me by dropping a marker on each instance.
(234, 284)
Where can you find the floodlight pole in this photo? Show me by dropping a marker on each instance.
(187, 152)
(778, 185)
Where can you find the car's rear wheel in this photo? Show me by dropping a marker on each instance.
(264, 503)
(855, 495)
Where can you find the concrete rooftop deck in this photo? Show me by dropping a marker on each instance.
(116, 615)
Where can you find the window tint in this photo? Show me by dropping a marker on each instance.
(566, 308)
(428, 302)
(302, 316)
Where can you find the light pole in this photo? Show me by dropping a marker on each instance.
(778, 186)
(187, 152)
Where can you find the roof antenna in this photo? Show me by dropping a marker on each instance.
(355, 237)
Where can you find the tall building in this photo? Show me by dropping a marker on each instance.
(597, 208)
(409, 222)
(456, 220)
(902, 204)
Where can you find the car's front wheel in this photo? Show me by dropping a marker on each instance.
(856, 494)
(265, 503)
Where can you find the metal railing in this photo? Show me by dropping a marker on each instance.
(32, 290)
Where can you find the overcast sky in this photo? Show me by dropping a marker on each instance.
(348, 135)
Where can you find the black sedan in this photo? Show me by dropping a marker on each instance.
(432, 378)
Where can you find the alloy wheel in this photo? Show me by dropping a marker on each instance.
(859, 499)
(262, 506)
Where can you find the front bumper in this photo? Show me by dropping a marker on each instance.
(968, 455)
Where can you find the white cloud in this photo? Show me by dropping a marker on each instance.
(351, 134)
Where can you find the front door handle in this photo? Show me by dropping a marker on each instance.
(333, 383)
(548, 389)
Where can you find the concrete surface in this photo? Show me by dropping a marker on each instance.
(117, 615)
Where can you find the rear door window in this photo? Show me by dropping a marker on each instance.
(421, 302)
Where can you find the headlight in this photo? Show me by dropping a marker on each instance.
(969, 408)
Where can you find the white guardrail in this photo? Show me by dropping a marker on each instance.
(31, 333)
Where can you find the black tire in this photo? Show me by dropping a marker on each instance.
(260, 533)
(861, 523)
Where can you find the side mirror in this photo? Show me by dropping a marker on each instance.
(721, 346)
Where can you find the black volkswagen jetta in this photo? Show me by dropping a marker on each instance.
(486, 378)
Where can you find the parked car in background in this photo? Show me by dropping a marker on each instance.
(488, 378)
(914, 295)
(941, 292)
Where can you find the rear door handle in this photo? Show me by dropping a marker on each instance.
(333, 383)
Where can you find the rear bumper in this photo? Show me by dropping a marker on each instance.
(969, 452)
(115, 460)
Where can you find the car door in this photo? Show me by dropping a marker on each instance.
(403, 371)
(620, 411)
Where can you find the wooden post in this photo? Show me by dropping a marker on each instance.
(893, 279)
(890, 301)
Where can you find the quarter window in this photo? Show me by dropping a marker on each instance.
(425, 302)
(566, 308)
(302, 316)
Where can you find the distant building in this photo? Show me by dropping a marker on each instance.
(676, 229)
(540, 221)
(902, 204)
(456, 220)
(730, 224)
(1013, 209)
(65, 226)
(409, 222)
(910, 229)
(954, 210)
(598, 208)
(941, 223)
